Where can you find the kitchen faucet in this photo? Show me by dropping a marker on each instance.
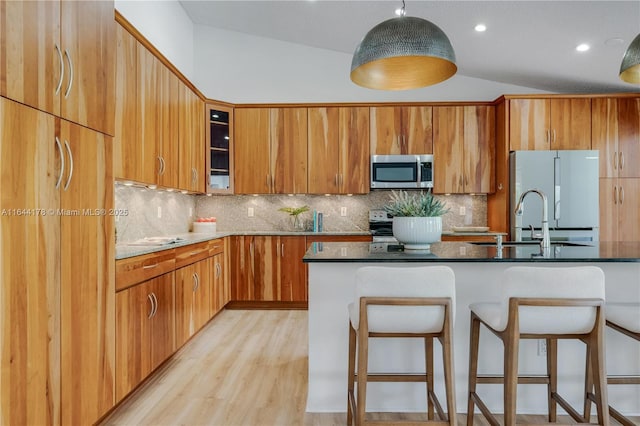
(545, 243)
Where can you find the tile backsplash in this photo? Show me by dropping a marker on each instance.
(179, 210)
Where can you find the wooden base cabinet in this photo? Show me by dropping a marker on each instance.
(145, 330)
(268, 269)
(192, 300)
(619, 207)
(57, 301)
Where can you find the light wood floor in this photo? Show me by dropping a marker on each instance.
(245, 368)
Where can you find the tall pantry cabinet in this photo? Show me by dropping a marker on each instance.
(56, 196)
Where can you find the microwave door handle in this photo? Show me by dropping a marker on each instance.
(418, 172)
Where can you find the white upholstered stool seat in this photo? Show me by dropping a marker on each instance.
(395, 302)
(624, 318)
(540, 302)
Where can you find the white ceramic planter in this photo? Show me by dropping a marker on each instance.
(417, 233)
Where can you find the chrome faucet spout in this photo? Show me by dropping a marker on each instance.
(546, 241)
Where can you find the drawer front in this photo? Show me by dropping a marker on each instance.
(137, 269)
(192, 253)
(216, 246)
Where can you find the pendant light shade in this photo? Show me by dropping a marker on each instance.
(630, 67)
(403, 53)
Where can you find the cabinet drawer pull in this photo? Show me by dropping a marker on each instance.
(59, 86)
(149, 266)
(66, 93)
(152, 306)
(66, 144)
(61, 163)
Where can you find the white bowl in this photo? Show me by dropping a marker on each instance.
(204, 227)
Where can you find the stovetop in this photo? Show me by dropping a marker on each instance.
(381, 225)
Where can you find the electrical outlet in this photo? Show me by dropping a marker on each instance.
(190, 211)
(542, 347)
(343, 211)
(463, 210)
(463, 251)
(250, 212)
(159, 212)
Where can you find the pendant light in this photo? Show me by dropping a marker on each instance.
(403, 53)
(630, 67)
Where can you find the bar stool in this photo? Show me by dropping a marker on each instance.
(402, 302)
(548, 303)
(624, 318)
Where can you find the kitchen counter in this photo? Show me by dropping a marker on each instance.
(469, 252)
(478, 271)
(126, 250)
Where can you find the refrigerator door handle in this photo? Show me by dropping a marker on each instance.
(557, 184)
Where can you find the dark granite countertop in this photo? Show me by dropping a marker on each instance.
(468, 252)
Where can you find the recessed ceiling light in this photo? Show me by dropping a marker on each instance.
(480, 28)
(616, 41)
(583, 47)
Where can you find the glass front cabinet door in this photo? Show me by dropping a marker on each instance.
(220, 155)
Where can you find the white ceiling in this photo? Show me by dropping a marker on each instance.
(527, 43)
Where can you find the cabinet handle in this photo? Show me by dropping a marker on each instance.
(282, 249)
(615, 161)
(152, 306)
(155, 299)
(547, 135)
(59, 86)
(398, 141)
(337, 181)
(554, 136)
(218, 270)
(161, 166)
(621, 154)
(66, 93)
(149, 266)
(195, 281)
(273, 182)
(61, 162)
(615, 195)
(341, 180)
(194, 175)
(621, 196)
(66, 144)
(251, 249)
(404, 141)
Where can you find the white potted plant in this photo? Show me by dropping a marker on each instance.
(417, 218)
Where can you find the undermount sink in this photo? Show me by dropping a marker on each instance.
(533, 243)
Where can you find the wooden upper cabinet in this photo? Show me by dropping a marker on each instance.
(464, 149)
(338, 150)
(88, 41)
(126, 141)
(616, 134)
(219, 146)
(628, 137)
(270, 150)
(148, 109)
(252, 168)
(448, 155)
(289, 150)
(191, 140)
(401, 130)
(479, 149)
(167, 146)
(354, 150)
(61, 59)
(542, 124)
(324, 150)
(32, 62)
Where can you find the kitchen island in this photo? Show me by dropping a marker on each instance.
(478, 269)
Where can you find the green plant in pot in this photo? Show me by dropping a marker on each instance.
(295, 212)
(417, 218)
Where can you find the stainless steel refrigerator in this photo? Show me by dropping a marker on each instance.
(569, 179)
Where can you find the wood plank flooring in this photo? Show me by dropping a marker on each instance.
(245, 368)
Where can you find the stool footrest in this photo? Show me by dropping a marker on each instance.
(524, 380)
(623, 380)
(392, 377)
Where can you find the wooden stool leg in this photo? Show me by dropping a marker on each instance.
(351, 373)
(449, 373)
(428, 352)
(552, 372)
(596, 348)
(588, 386)
(363, 360)
(511, 345)
(474, 341)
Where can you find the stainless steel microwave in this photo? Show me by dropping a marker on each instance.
(401, 171)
